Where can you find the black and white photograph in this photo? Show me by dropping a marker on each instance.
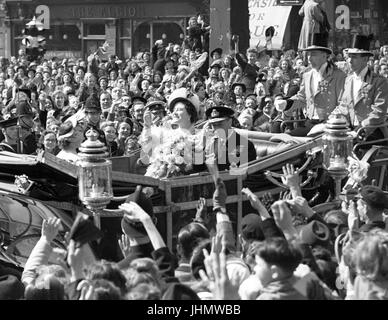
(194, 155)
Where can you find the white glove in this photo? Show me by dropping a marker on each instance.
(280, 105)
(317, 129)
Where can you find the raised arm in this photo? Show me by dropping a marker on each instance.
(42, 250)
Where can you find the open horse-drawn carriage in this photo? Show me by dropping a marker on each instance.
(175, 199)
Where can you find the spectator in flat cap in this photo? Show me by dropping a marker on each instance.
(372, 202)
(93, 112)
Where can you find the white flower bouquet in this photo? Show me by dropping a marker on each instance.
(172, 158)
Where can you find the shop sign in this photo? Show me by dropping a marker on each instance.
(103, 11)
(63, 54)
(264, 14)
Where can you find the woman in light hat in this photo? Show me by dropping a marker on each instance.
(70, 136)
(179, 124)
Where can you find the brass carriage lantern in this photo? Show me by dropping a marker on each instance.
(94, 175)
(337, 147)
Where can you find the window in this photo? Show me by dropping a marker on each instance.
(125, 38)
(94, 29)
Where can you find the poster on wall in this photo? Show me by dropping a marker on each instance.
(264, 14)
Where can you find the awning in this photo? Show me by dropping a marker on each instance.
(264, 14)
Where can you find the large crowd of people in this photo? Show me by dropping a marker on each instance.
(175, 92)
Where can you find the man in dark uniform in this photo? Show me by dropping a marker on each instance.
(9, 129)
(26, 122)
(158, 111)
(228, 148)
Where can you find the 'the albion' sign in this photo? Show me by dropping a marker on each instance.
(118, 11)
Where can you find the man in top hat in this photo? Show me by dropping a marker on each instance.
(365, 95)
(320, 89)
(224, 145)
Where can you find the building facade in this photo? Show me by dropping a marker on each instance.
(77, 28)
(349, 17)
(346, 17)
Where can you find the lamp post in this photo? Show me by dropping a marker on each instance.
(94, 175)
(337, 147)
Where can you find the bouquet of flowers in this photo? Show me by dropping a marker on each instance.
(172, 158)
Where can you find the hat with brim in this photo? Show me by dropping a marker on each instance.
(315, 233)
(239, 84)
(219, 114)
(216, 50)
(318, 48)
(359, 51)
(183, 95)
(92, 104)
(360, 45)
(374, 196)
(138, 100)
(102, 78)
(252, 96)
(140, 82)
(25, 90)
(156, 105)
(320, 42)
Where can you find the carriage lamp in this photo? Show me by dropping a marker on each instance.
(337, 147)
(94, 175)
